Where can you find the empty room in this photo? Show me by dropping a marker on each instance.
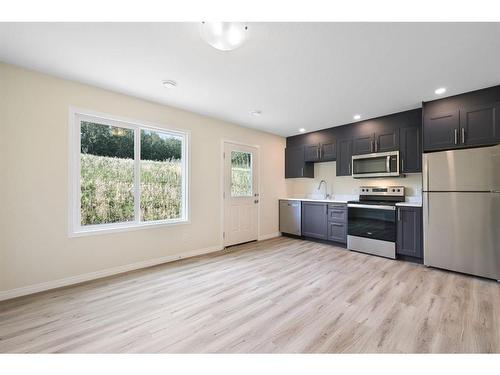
(250, 187)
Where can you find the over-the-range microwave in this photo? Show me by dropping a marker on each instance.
(379, 164)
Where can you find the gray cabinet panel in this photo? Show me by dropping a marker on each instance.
(314, 220)
(409, 232)
(344, 157)
(364, 144)
(387, 140)
(295, 165)
(480, 125)
(328, 151)
(311, 153)
(410, 150)
(337, 232)
(441, 130)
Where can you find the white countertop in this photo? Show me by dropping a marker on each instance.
(410, 201)
(314, 200)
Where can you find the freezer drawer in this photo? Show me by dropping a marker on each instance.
(291, 217)
(462, 232)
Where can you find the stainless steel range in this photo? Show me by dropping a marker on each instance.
(372, 220)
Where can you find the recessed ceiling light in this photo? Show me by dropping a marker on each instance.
(356, 117)
(256, 113)
(169, 84)
(440, 90)
(302, 130)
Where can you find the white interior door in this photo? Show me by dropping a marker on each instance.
(241, 195)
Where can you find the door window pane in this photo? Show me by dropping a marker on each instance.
(241, 174)
(106, 174)
(161, 176)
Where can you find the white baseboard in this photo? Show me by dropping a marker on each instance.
(23, 291)
(269, 236)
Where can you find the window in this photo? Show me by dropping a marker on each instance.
(125, 175)
(241, 174)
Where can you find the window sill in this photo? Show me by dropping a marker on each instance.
(125, 227)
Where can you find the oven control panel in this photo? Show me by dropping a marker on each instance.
(398, 191)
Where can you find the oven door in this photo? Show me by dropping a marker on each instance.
(381, 164)
(372, 221)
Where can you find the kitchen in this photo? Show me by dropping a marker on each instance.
(420, 185)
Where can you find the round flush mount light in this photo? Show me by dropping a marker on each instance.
(356, 117)
(256, 113)
(302, 130)
(224, 36)
(169, 84)
(440, 90)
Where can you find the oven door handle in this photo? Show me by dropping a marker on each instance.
(374, 206)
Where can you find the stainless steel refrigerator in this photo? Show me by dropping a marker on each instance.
(461, 198)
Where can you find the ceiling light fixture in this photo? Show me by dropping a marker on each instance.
(169, 84)
(224, 36)
(440, 91)
(256, 113)
(302, 130)
(356, 117)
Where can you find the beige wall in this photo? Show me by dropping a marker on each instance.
(35, 246)
(346, 185)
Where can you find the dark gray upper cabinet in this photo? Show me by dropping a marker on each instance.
(295, 165)
(387, 140)
(410, 147)
(311, 153)
(320, 152)
(409, 232)
(363, 144)
(314, 220)
(461, 121)
(441, 130)
(328, 151)
(480, 124)
(344, 157)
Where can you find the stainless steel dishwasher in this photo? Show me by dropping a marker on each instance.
(291, 217)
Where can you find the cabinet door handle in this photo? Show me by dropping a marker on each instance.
(463, 135)
(399, 214)
(376, 146)
(349, 168)
(372, 146)
(402, 165)
(456, 136)
(302, 172)
(317, 152)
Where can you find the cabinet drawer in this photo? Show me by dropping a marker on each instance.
(337, 213)
(337, 232)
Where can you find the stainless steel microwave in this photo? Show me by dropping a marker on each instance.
(380, 164)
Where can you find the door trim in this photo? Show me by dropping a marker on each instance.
(221, 188)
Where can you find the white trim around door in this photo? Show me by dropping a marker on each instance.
(240, 211)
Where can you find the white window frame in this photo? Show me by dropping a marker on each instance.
(75, 228)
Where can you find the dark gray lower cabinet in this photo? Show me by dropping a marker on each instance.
(409, 232)
(314, 220)
(337, 222)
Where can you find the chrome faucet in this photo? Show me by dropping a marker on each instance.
(319, 188)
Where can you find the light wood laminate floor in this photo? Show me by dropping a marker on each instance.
(280, 295)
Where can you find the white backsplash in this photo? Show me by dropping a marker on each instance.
(346, 187)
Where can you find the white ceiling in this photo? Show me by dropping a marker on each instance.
(311, 75)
